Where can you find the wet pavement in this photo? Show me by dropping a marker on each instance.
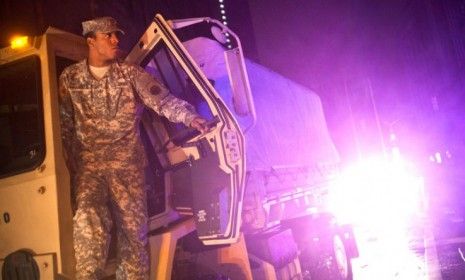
(432, 247)
(450, 244)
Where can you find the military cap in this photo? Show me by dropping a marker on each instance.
(102, 24)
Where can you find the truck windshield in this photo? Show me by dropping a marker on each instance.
(22, 145)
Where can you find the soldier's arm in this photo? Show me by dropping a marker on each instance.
(157, 97)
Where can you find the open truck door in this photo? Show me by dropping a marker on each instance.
(199, 175)
(203, 174)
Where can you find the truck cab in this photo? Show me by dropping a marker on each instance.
(213, 212)
(184, 166)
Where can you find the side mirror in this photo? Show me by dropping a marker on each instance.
(242, 96)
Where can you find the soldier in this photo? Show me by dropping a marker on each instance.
(100, 99)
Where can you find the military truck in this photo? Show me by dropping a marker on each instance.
(246, 200)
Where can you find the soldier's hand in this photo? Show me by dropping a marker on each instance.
(200, 124)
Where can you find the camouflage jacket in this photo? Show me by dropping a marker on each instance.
(99, 118)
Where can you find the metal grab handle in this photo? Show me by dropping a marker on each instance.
(185, 135)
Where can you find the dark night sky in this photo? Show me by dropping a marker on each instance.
(404, 53)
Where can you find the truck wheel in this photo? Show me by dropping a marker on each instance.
(327, 259)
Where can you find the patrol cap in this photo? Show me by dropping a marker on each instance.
(101, 24)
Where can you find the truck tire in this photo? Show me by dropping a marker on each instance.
(20, 265)
(326, 259)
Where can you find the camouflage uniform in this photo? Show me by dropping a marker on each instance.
(99, 130)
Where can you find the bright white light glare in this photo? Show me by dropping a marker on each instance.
(222, 6)
(438, 157)
(222, 11)
(225, 22)
(395, 153)
(392, 137)
(377, 193)
(393, 257)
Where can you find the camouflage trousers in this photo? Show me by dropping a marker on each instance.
(108, 194)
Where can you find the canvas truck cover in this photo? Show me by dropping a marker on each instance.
(290, 130)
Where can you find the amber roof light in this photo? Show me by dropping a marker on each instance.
(19, 42)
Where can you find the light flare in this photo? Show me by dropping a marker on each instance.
(19, 42)
(377, 193)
